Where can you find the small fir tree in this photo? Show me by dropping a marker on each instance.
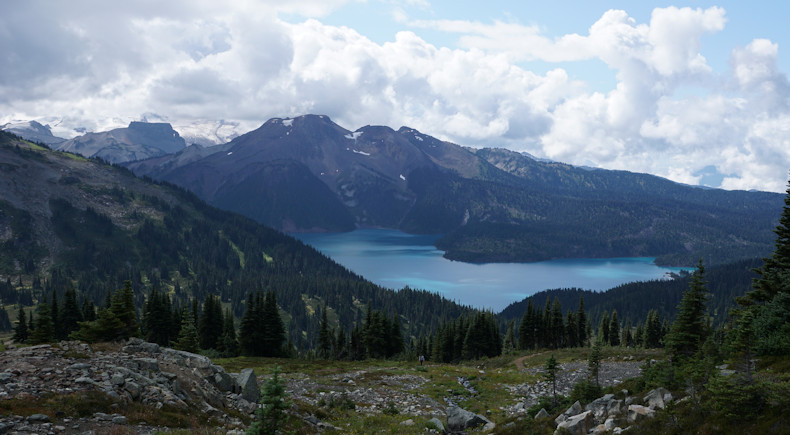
(21, 331)
(188, 339)
(274, 403)
(594, 362)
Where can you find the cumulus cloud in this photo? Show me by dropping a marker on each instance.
(100, 65)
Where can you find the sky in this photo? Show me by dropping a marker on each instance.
(696, 92)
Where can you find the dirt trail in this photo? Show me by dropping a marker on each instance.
(519, 362)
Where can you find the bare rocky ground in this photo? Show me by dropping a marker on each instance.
(138, 387)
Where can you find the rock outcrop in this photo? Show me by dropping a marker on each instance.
(139, 372)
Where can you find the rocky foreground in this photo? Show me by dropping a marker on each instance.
(133, 385)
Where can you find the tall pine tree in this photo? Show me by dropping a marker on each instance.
(690, 329)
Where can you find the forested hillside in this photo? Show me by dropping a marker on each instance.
(68, 221)
(633, 301)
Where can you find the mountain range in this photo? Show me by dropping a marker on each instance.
(70, 221)
(308, 174)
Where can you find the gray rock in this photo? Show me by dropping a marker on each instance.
(639, 412)
(119, 419)
(79, 366)
(249, 386)
(576, 424)
(437, 424)
(133, 388)
(136, 345)
(224, 381)
(86, 380)
(38, 418)
(149, 364)
(542, 414)
(575, 409)
(657, 398)
(5, 377)
(408, 422)
(459, 419)
(117, 379)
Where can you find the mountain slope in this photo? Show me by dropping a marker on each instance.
(66, 220)
(33, 131)
(310, 174)
(140, 140)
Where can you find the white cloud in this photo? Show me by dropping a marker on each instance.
(99, 66)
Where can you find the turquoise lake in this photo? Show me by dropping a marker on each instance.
(395, 259)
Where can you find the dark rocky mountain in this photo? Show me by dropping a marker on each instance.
(70, 221)
(310, 174)
(141, 140)
(33, 131)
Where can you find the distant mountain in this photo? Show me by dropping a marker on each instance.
(310, 174)
(69, 221)
(33, 131)
(141, 140)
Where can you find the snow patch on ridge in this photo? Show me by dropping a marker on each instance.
(288, 122)
(353, 136)
(402, 177)
(358, 152)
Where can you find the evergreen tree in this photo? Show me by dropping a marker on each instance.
(594, 361)
(510, 340)
(248, 330)
(652, 331)
(273, 326)
(581, 319)
(764, 312)
(188, 339)
(774, 275)
(614, 330)
(45, 330)
(210, 325)
(551, 368)
(122, 306)
(558, 328)
(88, 310)
(690, 329)
(324, 337)
(156, 323)
(526, 330)
(230, 345)
(603, 328)
(54, 310)
(571, 329)
(627, 338)
(273, 406)
(395, 338)
(21, 331)
(70, 313)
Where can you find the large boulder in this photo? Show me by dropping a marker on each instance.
(249, 386)
(658, 398)
(459, 419)
(576, 424)
(639, 412)
(575, 409)
(437, 424)
(136, 345)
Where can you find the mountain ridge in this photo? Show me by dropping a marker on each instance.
(491, 204)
